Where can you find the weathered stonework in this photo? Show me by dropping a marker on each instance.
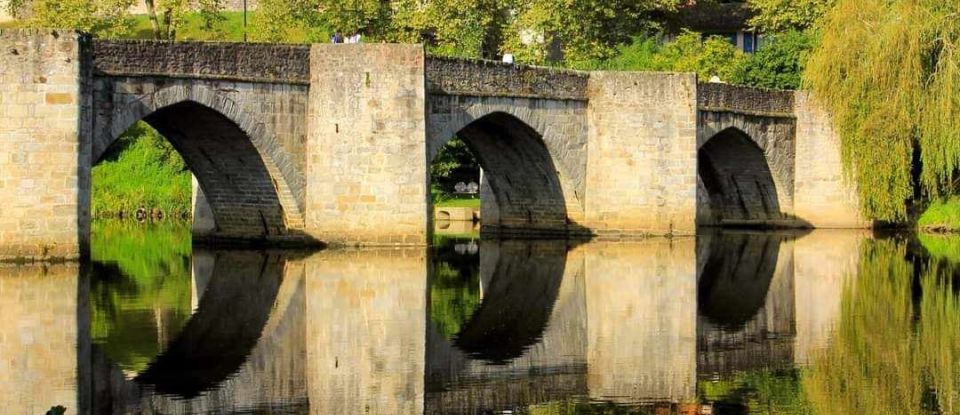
(250, 62)
(366, 153)
(718, 97)
(470, 77)
(295, 144)
(756, 181)
(825, 197)
(641, 166)
(247, 154)
(44, 143)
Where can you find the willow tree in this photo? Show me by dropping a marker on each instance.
(888, 71)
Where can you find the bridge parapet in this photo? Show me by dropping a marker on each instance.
(248, 62)
(717, 97)
(475, 77)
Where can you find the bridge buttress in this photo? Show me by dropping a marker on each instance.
(824, 197)
(44, 144)
(366, 174)
(642, 157)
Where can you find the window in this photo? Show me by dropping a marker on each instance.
(749, 42)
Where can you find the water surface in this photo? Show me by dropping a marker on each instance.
(733, 322)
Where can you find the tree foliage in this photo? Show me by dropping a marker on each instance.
(101, 17)
(888, 71)
(689, 52)
(779, 64)
(530, 29)
(786, 15)
(111, 18)
(166, 16)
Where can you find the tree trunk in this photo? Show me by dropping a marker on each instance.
(152, 12)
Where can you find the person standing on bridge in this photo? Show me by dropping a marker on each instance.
(337, 37)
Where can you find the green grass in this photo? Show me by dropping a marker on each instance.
(230, 29)
(459, 201)
(141, 169)
(941, 216)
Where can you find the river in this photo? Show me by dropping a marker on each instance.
(728, 322)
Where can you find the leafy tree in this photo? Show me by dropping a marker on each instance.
(584, 29)
(454, 163)
(786, 15)
(471, 28)
(689, 52)
(166, 16)
(101, 17)
(779, 64)
(889, 72)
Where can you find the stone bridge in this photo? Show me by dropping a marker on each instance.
(333, 143)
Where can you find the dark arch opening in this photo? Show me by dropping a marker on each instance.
(522, 177)
(736, 186)
(233, 177)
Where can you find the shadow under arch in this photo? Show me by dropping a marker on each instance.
(228, 323)
(528, 195)
(521, 282)
(250, 183)
(735, 184)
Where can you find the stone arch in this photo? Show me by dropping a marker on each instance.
(520, 170)
(243, 170)
(735, 185)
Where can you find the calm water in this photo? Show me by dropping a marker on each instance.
(828, 322)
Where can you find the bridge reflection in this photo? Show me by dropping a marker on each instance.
(364, 331)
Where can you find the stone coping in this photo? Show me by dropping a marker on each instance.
(745, 100)
(251, 62)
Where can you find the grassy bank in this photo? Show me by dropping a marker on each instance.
(941, 216)
(141, 169)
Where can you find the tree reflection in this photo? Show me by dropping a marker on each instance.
(454, 286)
(140, 295)
(894, 352)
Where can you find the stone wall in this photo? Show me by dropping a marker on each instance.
(642, 162)
(480, 78)
(825, 197)
(744, 100)
(252, 62)
(44, 143)
(366, 151)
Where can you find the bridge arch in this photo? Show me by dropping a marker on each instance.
(248, 179)
(735, 184)
(528, 191)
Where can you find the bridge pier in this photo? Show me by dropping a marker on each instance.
(642, 162)
(366, 173)
(44, 144)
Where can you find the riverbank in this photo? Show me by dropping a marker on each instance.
(942, 216)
